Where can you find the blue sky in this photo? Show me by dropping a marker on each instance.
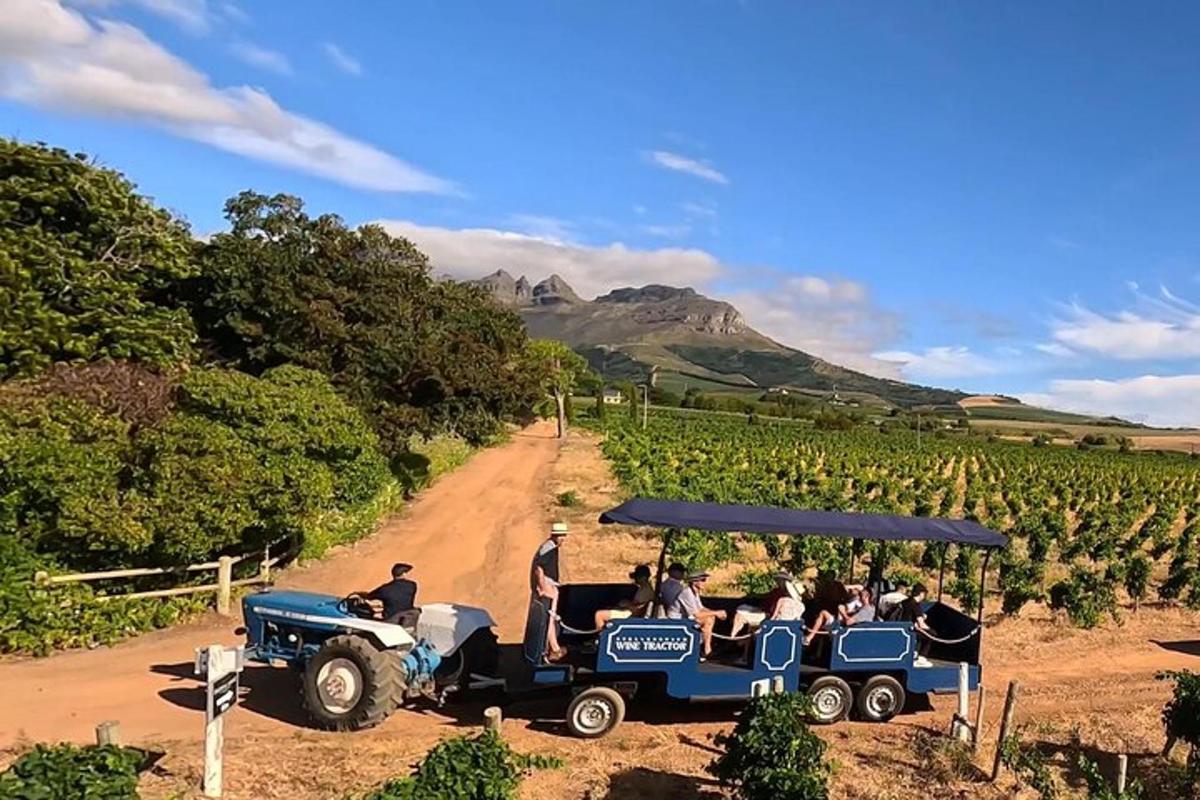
(995, 197)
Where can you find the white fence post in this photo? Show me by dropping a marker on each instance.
(108, 732)
(224, 584)
(960, 728)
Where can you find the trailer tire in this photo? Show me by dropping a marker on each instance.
(594, 712)
(881, 698)
(350, 684)
(831, 698)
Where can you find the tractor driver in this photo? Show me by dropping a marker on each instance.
(398, 596)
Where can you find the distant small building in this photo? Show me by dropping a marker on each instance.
(780, 390)
(613, 398)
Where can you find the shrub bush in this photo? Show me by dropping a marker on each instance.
(481, 767)
(1086, 596)
(1181, 715)
(67, 772)
(772, 755)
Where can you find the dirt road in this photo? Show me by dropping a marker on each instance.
(469, 534)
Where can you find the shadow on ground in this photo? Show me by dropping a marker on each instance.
(1191, 648)
(639, 783)
(271, 692)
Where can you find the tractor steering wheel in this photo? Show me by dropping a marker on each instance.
(355, 605)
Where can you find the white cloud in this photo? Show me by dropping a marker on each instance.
(833, 319)
(690, 166)
(1153, 399)
(939, 363)
(1055, 349)
(694, 209)
(1162, 327)
(543, 227)
(342, 60)
(666, 231)
(54, 57)
(591, 270)
(194, 16)
(261, 57)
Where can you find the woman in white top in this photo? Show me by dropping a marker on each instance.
(638, 606)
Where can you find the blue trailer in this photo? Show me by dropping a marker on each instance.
(869, 668)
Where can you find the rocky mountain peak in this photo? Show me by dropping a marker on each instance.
(554, 291)
(650, 293)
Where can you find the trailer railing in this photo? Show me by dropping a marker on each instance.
(223, 586)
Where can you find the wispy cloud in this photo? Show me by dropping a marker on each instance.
(678, 231)
(54, 57)
(261, 57)
(193, 16)
(690, 166)
(1159, 327)
(940, 363)
(342, 60)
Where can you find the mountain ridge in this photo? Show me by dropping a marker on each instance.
(630, 331)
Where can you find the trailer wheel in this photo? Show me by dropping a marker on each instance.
(881, 698)
(594, 712)
(831, 698)
(350, 684)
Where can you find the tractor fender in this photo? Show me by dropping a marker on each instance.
(445, 626)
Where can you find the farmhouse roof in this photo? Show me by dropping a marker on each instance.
(799, 522)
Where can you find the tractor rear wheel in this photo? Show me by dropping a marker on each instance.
(594, 712)
(350, 684)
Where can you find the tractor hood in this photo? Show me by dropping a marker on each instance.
(319, 612)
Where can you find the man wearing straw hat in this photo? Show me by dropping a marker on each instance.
(543, 582)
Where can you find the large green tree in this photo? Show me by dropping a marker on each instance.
(415, 354)
(85, 265)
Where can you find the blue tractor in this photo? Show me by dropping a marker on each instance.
(355, 670)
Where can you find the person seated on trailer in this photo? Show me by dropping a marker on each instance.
(890, 601)
(543, 581)
(706, 618)
(912, 611)
(754, 614)
(396, 598)
(857, 608)
(669, 592)
(637, 606)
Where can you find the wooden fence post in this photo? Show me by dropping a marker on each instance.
(1010, 703)
(108, 732)
(960, 726)
(264, 571)
(224, 584)
(492, 717)
(1122, 772)
(978, 730)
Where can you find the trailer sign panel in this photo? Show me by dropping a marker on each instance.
(650, 644)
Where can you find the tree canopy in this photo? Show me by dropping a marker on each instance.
(86, 265)
(359, 305)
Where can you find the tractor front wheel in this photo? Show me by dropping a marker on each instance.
(350, 684)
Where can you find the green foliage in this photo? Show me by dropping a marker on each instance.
(1030, 766)
(1098, 787)
(702, 550)
(68, 772)
(1137, 577)
(86, 265)
(771, 754)
(482, 767)
(360, 306)
(755, 582)
(1181, 715)
(1020, 583)
(568, 499)
(1086, 596)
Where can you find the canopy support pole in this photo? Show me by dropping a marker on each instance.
(662, 566)
(942, 570)
(854, 546)
(987, 554)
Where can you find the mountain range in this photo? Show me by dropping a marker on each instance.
(691, 339)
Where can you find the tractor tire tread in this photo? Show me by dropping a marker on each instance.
(383, 689)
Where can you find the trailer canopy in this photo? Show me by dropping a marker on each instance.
(799, 522)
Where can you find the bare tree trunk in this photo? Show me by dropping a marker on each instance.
(560, 402)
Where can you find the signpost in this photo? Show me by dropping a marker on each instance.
(221, 667)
